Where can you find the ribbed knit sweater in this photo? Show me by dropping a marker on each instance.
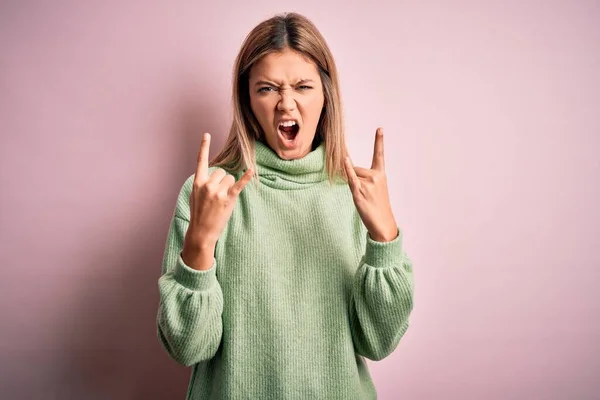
(297, 296)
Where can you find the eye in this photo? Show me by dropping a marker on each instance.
(265, 89)
(304, 87)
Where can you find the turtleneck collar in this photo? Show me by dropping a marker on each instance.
(290, 174)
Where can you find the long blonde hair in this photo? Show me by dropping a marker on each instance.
(296, 32)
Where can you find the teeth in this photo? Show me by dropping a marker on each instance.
(288, 123)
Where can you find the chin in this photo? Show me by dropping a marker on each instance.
(290, 150)
(293, 154)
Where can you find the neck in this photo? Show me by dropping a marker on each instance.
(290, 174)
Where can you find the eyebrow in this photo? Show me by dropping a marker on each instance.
(263, 82)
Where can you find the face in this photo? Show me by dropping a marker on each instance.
(286, 96)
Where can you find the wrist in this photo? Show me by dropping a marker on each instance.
(198, 256)
(198, 242)
(387, 236)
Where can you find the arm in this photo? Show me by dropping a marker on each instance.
(189, 319)
(382, 298)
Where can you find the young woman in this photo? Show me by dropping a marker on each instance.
(279, 288)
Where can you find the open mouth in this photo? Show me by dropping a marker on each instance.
(289, 130)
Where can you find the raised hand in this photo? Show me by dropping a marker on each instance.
(370, 194)
(211, 204)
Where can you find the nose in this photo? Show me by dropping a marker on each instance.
(286, 102)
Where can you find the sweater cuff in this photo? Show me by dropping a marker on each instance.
(384, 254)
(194, 279)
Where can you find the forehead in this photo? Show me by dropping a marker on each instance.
(286, 65)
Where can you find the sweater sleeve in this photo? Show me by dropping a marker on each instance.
(189, 320)
(382, 298)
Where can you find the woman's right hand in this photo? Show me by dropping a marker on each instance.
(211, 205)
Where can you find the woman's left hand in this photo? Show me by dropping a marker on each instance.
(370, 193)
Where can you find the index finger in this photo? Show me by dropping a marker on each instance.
(378, 162)
(202, 166)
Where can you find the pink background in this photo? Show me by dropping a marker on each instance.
(492, 143)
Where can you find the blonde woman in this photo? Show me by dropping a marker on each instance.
(284, 266)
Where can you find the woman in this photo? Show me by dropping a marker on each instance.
(278, 289)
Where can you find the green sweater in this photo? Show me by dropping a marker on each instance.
(298, 293)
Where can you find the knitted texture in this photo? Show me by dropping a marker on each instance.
(297, 296)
